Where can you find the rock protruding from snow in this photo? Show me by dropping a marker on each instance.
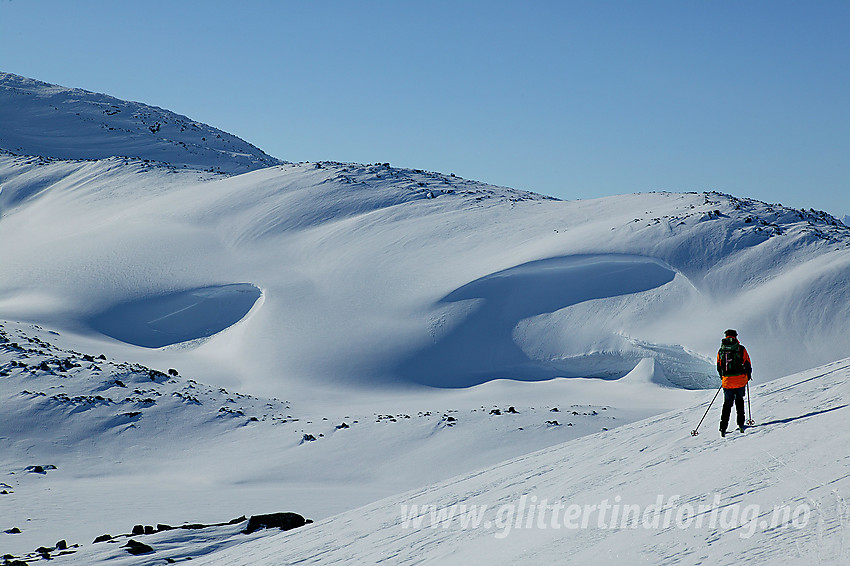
(282, 521)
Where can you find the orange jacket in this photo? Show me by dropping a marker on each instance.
(737, 381)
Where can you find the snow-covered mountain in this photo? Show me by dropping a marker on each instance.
(37, 118)
(346, 275)
(416, 308)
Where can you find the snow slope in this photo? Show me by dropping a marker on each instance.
(373, 276)
(172, 449)
(417, 308)
(792, 458)
(37, 118)
(644, 493)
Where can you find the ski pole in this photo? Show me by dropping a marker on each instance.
(750, 422)
(696, 430)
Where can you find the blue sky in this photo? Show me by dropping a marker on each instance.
(575, 99)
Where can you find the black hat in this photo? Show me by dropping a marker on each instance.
(731, 332)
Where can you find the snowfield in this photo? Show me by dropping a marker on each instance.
(373, 276)
(152, 448)
(645, 493)
(192, 331)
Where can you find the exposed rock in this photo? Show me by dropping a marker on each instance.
(102, 538)
(38, 469)
(135, 547)
(282, 521)
(156, 374)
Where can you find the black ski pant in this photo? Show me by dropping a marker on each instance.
(730, 397)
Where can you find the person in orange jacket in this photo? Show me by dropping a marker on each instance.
(735, 369)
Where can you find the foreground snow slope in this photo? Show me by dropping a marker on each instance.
(53, 121)
(126, 444)
(776, 494)
(795, 459)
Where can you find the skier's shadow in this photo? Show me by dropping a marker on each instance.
(807, 415)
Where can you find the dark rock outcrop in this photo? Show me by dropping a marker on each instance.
(282, 521)
(135, 547)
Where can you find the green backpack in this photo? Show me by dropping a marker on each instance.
(731, 359)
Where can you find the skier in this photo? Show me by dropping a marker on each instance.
(735, 369)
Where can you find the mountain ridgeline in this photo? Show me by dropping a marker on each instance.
(68, 123)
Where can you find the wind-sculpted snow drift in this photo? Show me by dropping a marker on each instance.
(426, 279)
(482, 346)
(377, 276)
(177, 317)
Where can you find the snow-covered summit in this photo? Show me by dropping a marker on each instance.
(46, 120)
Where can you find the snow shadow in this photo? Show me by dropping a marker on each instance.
(162, 320)
(792, 419)
(481, 347)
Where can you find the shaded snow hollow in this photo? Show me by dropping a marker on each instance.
(181, 316)
(483, 344)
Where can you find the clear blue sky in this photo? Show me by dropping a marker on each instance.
(575, 99)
